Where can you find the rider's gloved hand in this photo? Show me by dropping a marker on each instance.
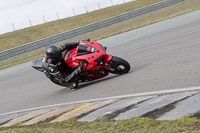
(81, 68)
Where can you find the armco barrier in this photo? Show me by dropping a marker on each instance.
(81, 30)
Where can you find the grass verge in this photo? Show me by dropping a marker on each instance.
(149, 18)
(19, 37)
(103, 125)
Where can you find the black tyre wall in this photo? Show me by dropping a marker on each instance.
(120, 61)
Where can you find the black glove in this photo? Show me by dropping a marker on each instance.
(74, 73)
(81, 68)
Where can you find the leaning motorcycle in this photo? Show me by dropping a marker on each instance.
(99, 63)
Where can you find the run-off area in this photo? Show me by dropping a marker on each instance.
(160, 107)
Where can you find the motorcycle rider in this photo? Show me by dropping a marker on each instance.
(55, 68)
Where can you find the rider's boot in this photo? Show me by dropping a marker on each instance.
(73, 84)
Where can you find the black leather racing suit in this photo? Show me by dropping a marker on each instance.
(57, 71)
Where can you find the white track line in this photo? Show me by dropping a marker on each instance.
(197, 88)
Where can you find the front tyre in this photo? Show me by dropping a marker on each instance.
(118, 65)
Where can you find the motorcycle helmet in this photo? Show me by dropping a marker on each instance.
(53, 52)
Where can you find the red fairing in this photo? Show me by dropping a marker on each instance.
(70, 58)
(94, 53)
(107, 58)
(91, 58)
(73, 60)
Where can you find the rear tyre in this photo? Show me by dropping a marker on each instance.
(118, 65)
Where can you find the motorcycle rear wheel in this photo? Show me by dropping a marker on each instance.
(119, 65)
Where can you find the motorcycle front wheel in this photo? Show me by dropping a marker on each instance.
(118, 65)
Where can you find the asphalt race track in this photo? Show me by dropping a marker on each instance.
(169, 59)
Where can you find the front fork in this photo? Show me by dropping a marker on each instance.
(108, 64)
(107, 58)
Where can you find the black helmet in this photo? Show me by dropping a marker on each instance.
(54, 53)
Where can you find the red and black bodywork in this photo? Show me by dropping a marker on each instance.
(99, 63)
(95, 56)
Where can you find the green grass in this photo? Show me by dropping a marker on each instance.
(149, 18)
(27, 35)
(103, 125)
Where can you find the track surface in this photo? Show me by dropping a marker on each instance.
(166, 60)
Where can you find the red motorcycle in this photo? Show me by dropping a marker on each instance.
(99, 63)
